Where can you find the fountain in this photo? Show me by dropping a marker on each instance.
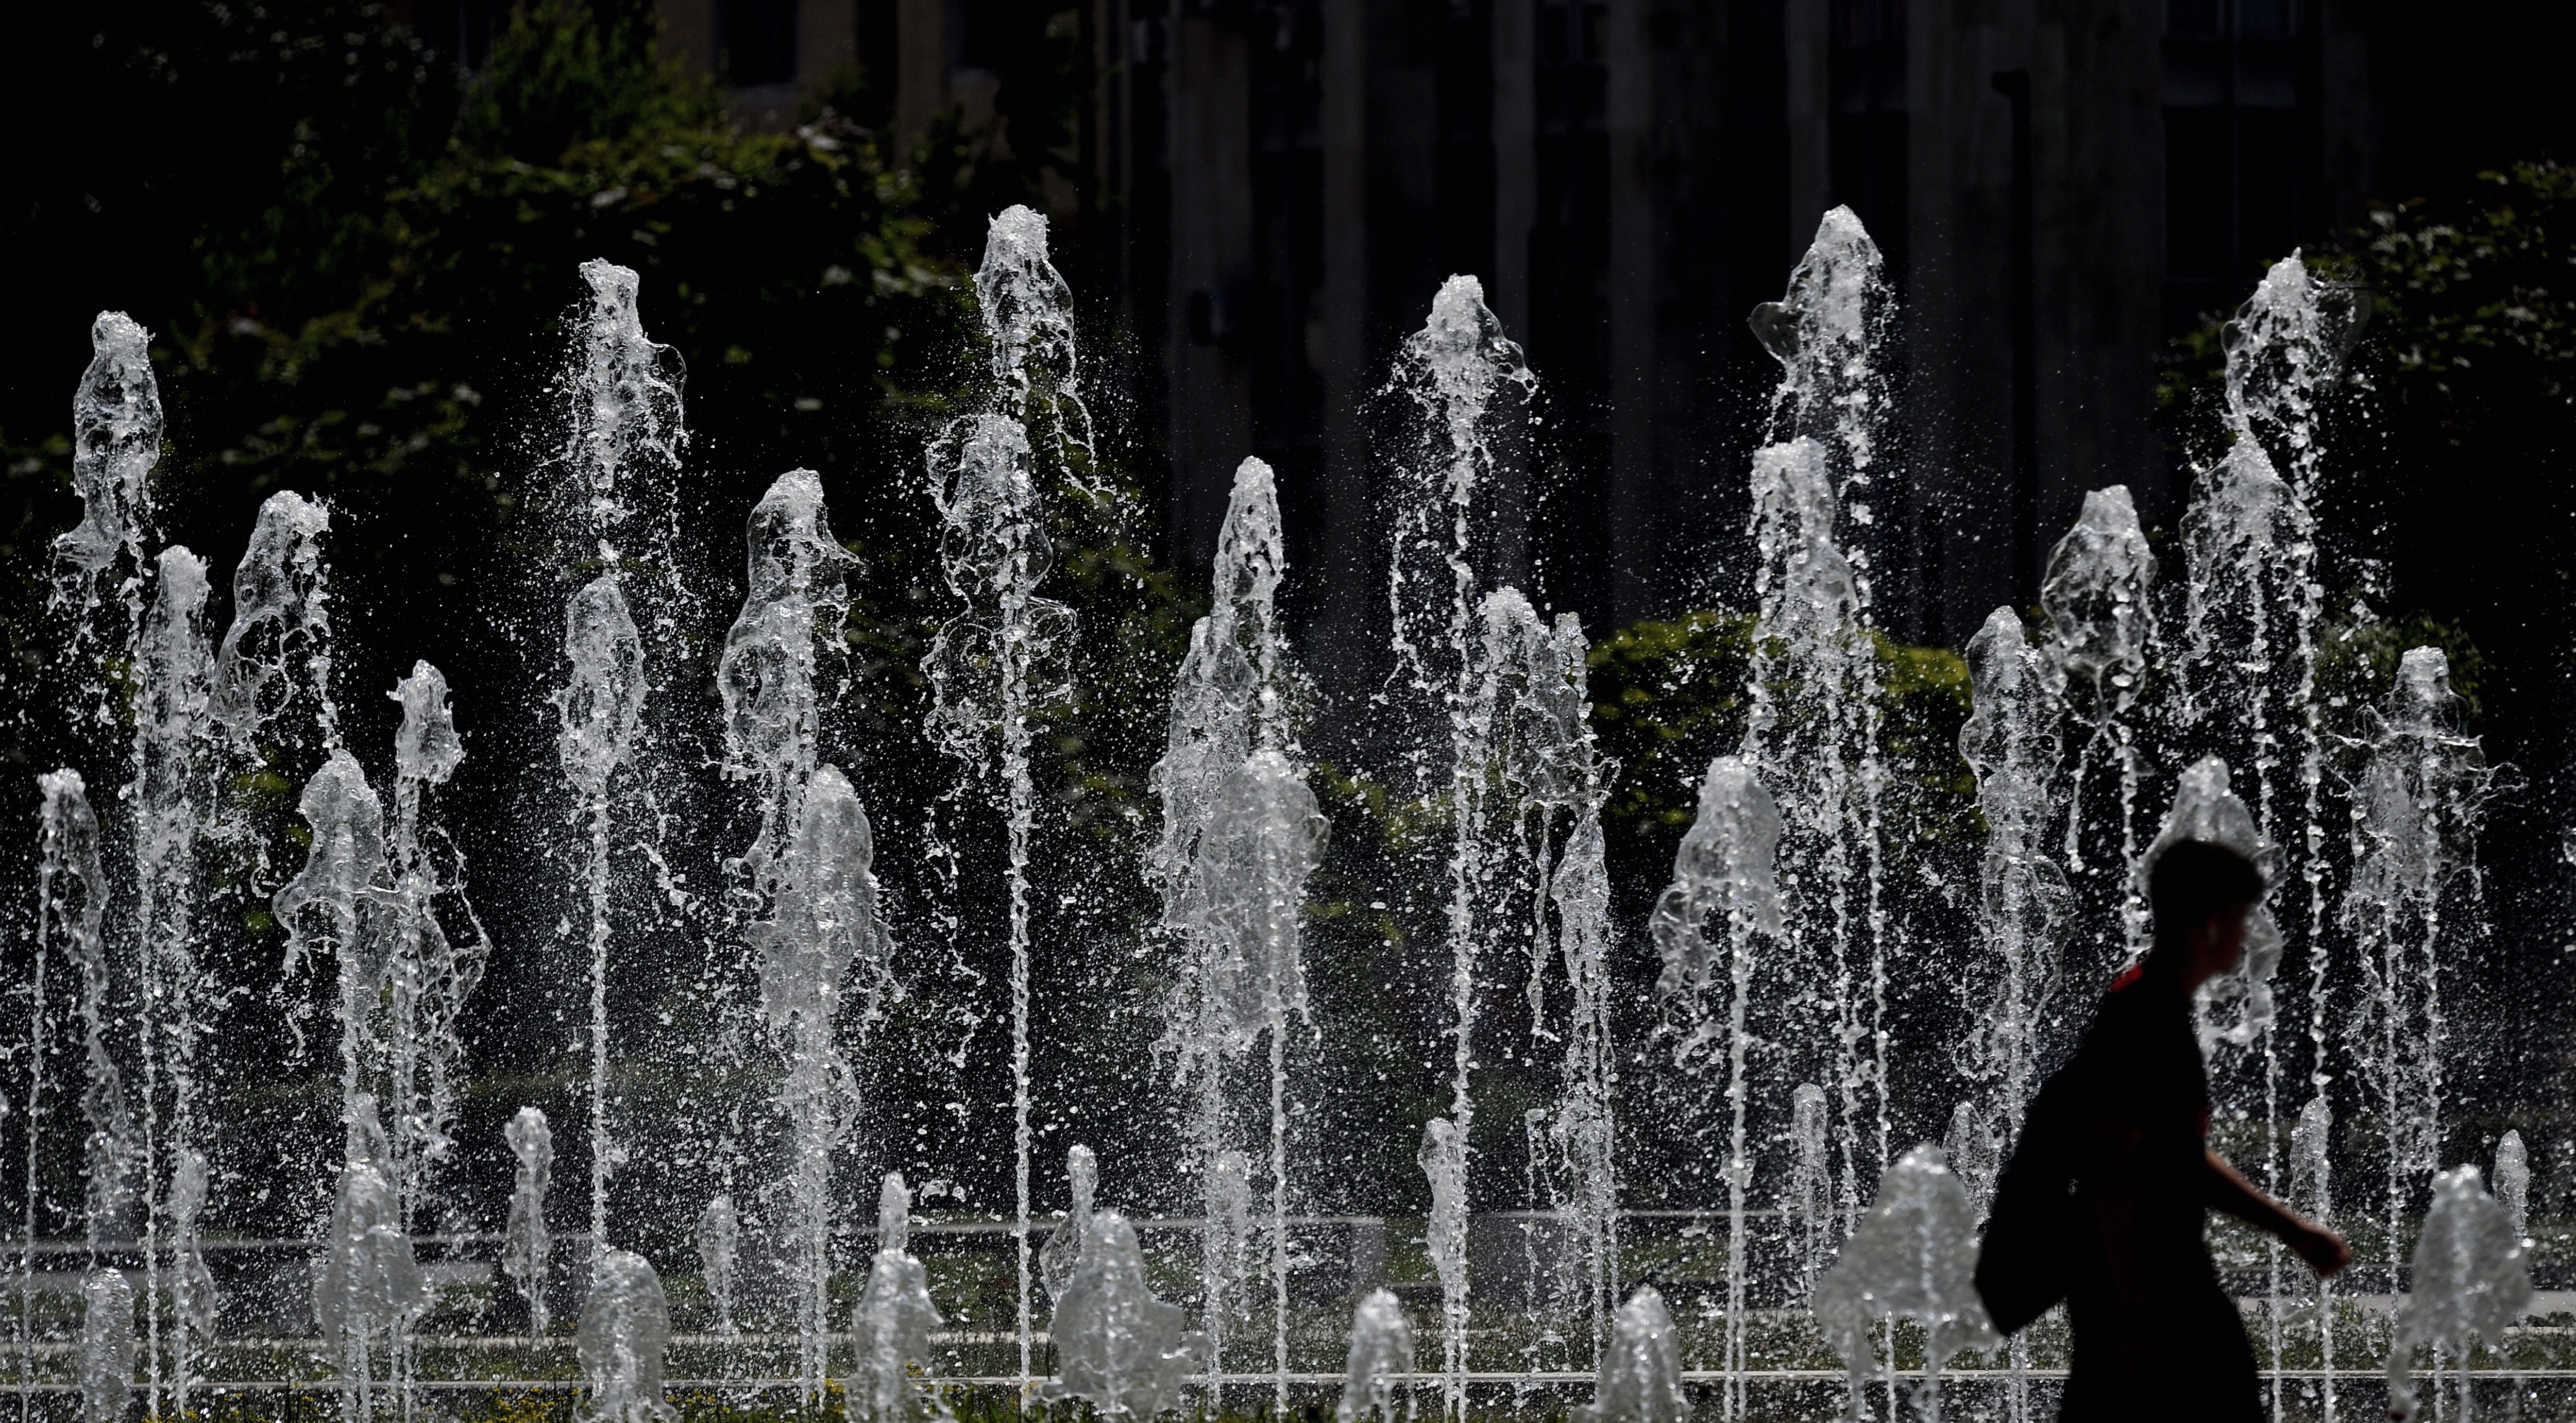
(1912, 1258)
(890, 1325)
(1837, 971)
(1381, 1352)
(2471, 1280)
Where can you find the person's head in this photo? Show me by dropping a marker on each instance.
(2200, 893)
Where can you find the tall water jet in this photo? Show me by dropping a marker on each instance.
(1641, 1370)
(1265, 835)
(116, 443)
(1443, 1158)
(1724, 880)
(991, 667)
(1914, 1257)
(1462, 378)
(107, 1346)
(1241, 832)
(1539, 804)
(328, 907)
(601, 711)
(625, 1328)
(1225, 1259)
(1813, 683)
(70, 883)
(172, 803)
(2102, 627)
(2312, 1195)
(1116, 1344)
(72, 895)
(1810, 1204)
(2471, 1281)
(2012, 742)
(637, 626)
(2412, 902)
(193, 1297)
(1381, 1349)
(524, 1242)
(2250, 684)
(809, 870)
(890, 1325)
(430, 973)
(822, 944)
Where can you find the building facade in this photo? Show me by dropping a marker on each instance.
(2059, 186)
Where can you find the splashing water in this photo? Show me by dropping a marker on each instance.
(2513, 1182)
(71, 900)
(2285, 344)
(1241, 833)
(991, 665)
(281, 625)
(890, 1326)
(2412, 898)
(2011, 740)
(171, 797)
(1462, 381)
(1443, 1158)
(625, 435)
(718, 1236)
(1381, 1350)
(1641, 1371)
(1067, 1242)
(823, 927)
(625, 1327)
(1116, 1344)
(1825, 332)
(601, 709)
(430, 972)
(524, 1242)
(116, 443)
(369, 1283)
(1723, 876)
(1810, 1204)
(2102, 628)
(2235, 1007)
(2471, 1280)
(107, 1346)
(1914, 1257)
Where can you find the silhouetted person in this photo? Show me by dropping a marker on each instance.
(2105, 1200)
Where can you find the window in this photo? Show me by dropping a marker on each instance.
(756, 41)
(2238, 190)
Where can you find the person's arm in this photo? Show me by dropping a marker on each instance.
(2229, 1191)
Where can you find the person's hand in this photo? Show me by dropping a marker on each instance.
(2324, 1250)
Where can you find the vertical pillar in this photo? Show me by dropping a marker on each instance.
(921, 67)
(1211, 259)
(1515, 161)
(1345, 604)
(1631, 281)
(1807, 38)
